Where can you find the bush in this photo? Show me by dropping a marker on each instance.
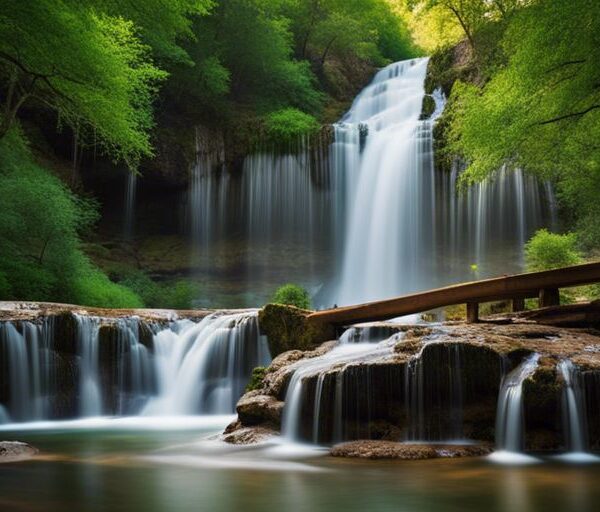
(292, 295)
(547, 251)
(286, 126)
(256, 380)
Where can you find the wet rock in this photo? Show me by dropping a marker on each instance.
(239, 434)
(255, 408)
(15, 451)
(374, 450)
(288, 328)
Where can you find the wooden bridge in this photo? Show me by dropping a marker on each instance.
(542, 285)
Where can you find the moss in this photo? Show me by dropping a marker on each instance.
(288, 328)
(542, 394)
(256, 380)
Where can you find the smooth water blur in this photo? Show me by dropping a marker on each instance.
(138, 466)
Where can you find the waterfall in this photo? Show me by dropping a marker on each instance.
(574, 410)
(25, 358)
(444, 393)
(126, 366)
(90, 398)
(203, 368)
(332, 397)
(509, 416)
(130, 193)
(407, 226)
(389, 225)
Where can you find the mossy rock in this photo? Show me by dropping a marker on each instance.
(428, 107)
(288, 328)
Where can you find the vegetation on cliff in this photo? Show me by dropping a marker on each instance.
(524, 94)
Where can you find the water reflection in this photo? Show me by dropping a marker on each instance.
(152, 470)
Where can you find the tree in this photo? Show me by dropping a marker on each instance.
(540, 110)
(41, 224)
(89, 67)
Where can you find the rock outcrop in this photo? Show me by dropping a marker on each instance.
(438, 382)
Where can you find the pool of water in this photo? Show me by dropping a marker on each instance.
(175, 465)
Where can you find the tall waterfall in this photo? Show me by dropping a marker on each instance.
(367, 217)
(389, 228)
(509, 418)
(94, 366)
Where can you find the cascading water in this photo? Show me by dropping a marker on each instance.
(368, 216)
(340, 357)
(509, 417)
(90, 398)
(390, 221)
(203, 368)
(407, 227)
(445, 393)
(111, 367)
(25, 357)
(574, 411)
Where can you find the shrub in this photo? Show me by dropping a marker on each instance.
(547, 251)
(286, 126)
(292, 295)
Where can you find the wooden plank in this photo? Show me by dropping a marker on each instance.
(499, 288)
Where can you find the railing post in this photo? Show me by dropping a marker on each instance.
(549, 297)
(518, 305)
(472, 312)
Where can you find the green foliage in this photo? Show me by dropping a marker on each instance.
(41, 222)
(175, 295)
(540, 110)
(547, 251)
(288, 125)
(256, 380)
(89, 67)
(292, 295)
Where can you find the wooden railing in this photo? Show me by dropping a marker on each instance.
(543, 285)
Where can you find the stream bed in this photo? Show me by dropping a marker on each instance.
(176, 464)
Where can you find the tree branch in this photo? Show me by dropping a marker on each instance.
(571, 115)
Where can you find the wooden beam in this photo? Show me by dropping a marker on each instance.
(518, 286)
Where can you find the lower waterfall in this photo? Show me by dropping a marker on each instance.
(509, 418)
(93, 366)
(340, 357)
(204, 367)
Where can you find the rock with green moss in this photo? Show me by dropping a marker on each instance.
(288, 328)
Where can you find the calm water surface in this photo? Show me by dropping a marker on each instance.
(172, 466)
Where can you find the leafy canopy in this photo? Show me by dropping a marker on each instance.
(41, 223)
(541, 110)
(88, 66)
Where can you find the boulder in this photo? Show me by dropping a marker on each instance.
(15, 451)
